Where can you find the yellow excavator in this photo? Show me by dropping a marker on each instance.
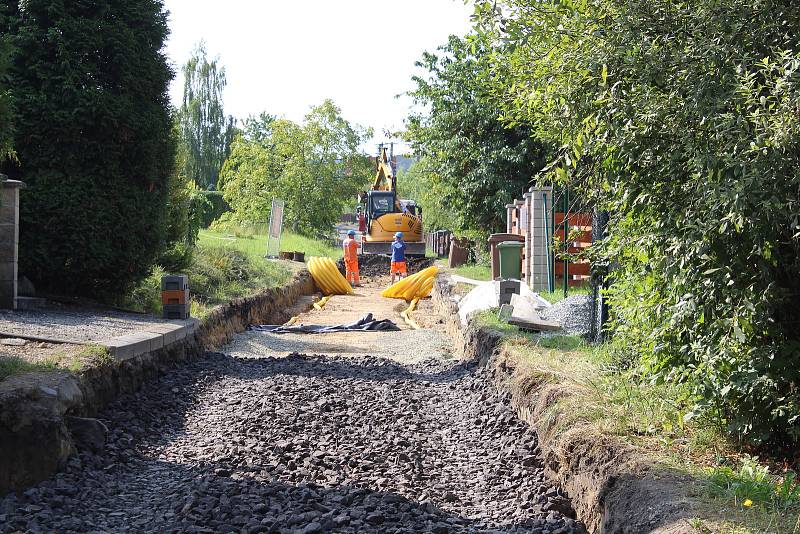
(387, 214)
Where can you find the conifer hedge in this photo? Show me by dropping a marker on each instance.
(93, 140)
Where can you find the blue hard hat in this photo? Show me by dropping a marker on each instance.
(398, 234)
(351, 232)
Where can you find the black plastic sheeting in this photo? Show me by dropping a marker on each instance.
(365, 324)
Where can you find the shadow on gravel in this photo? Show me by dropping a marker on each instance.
(151, 496)
(126, 489)
(369, 368)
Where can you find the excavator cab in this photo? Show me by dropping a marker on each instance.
(379, 203)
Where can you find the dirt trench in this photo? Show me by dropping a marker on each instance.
(348, 432)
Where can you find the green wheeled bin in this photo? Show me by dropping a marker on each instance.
(510, 259)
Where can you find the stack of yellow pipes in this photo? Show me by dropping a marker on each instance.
(417, 286)
(327, 276)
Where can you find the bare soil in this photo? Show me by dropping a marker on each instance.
(407, 345)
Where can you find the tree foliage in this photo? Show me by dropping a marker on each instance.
(6, 118)
(206, 131)
(315, 167)
(472, 159)
(681, 118)
(93, 140)
(187, 206)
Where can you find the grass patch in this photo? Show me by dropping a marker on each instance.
(476, 271)
(219, 273)
(14, 365)
(75, 361)
(228, 263)
(741, 494)
(555, 296)
(253, 242)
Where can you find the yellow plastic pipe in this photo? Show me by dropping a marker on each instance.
(322, 302)
(327, 277)
(406, 315)
(415, 286)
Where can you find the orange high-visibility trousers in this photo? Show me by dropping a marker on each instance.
(351, 270)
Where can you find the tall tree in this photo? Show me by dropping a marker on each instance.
(472, 159)
(206, 130)
(93, 140)
(6, 119)
(315, 167)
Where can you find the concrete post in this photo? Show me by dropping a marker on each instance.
(536, 243)
(509, 218)
(527, 207)
(9, 241)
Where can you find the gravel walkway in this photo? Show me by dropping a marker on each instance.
(304, 444)
(78, 326)
(394, 345)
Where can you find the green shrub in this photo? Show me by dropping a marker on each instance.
(93, 138)
(215, 207)
(146, 295)
(681, 119)
(753, 482)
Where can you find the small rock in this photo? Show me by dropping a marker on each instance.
(13, 342)
(88, 433)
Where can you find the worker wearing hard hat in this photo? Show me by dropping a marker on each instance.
(350, 246)
(398, 266)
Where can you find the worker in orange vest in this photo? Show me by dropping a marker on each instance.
(350, 246)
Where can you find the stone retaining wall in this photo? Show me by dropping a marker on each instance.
(612, 487)
(38, 410)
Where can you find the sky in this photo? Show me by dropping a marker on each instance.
(283, 56)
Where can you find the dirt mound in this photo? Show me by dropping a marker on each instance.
(374, 265)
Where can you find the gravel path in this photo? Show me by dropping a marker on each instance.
(304, 444)
(78, 326)
(394, 345)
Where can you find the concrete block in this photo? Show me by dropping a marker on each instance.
(192, 325)
(174, 282)
(176, 311)
(505, 289)
(156, 340)
(523, 309)
(128, 346)
(119, 349)
(168, 332)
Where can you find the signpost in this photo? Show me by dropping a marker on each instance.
(275, 229)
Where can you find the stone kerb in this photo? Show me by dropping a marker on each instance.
(154, 337)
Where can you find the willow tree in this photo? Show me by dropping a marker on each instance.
(206, 131)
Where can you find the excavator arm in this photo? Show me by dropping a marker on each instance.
(384, 178)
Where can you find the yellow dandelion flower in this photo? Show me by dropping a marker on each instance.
(747, 502)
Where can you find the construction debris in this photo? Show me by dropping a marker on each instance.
(486, 296)
(366, 324)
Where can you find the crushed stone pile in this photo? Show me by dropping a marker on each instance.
(305, 444)
(573, 313)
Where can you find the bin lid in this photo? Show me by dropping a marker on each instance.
(497, 238)
(511, 244)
